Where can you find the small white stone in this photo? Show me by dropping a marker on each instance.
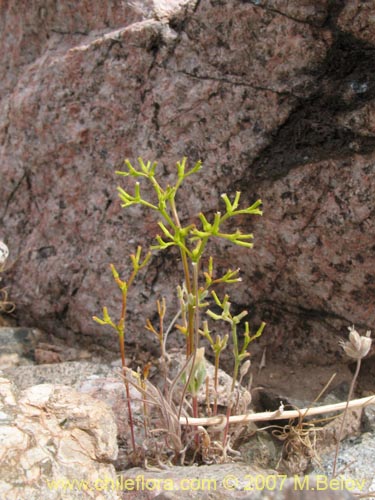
(12, 439)
(4, 252)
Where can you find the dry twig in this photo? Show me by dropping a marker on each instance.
(279, 414)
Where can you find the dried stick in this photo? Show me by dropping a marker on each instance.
(279, 414)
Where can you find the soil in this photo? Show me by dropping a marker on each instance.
(304, 383)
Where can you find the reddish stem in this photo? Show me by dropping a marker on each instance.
(121, 329)
(195, 415)
(226, 430)
(216, 383)
(127, 390)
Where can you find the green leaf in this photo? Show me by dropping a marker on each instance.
(206, 332)
(252, 210)
(198, 250)
(181, 168)
(243, 356)
(196, 234)
(243, 244)
(100, 321)
(231, 276)
(259, 331)
(216, 224)
(114, 272)
(106, 316)
(226, 308)
(169, 192)
(206, 225)
(216, 299)
(237, 319)
(106, 319)
(224, 342)
(213, 315)
(198, 372)
(132, 171)
(165, 231)
(145, 168)
(161, 244)
(208, 279)
(121, 172)
(184, 231)
(195, 169)
(153, 169)
(137, 192)
(236, 200)
(227, 202)
(231, 207)
(145, 260)
(125, 196)
(210, 266)
(255, 206)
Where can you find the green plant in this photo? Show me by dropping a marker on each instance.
(238, 355)
(198, 284)
(119, 327)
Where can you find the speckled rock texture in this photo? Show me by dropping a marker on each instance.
(55, 443)
(276, 97)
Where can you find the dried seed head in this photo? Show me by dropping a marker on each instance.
(358, 346)
(245, 368)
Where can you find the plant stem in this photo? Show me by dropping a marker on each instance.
(185, 265)
(236, 355)
(145, 409)
(196, 307)
(216, 380)
(127, 390)
(196, 415)
(121, 331)
(226, 429)
(195, 406)
(351, 389)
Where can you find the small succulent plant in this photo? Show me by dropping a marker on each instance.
(198, 282)
(179, 426)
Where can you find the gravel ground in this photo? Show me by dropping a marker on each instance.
(356, 462)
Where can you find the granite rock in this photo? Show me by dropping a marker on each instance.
(276, 97)
(52, 435)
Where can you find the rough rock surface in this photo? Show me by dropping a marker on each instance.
(276, 97)
(53, 433)
(57, 444)
(63, 417)
(355, 461)
(103, 381)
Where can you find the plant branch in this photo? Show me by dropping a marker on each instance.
(351, 390)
